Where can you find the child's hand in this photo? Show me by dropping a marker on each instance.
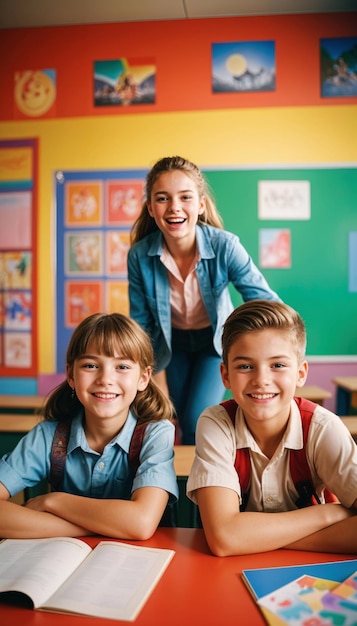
(38, 503)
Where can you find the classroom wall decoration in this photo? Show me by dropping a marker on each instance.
(233, 136)
(124, 81)
(274, 248)
(296, 255)
(35, 94)
(307, 260)
(243, 66)
(284, 199)
(338, 57)
(18, 297)
(95, 211)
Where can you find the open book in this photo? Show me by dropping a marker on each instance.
(64, 574)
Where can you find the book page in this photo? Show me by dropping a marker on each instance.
(37, 567)
(114, 582)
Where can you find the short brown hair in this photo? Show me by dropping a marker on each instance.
(262, 314)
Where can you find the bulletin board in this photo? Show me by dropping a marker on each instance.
(95, 212)
(311, 215)
(321, 280)
(18, 257)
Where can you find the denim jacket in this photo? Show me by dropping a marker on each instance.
(222, 260)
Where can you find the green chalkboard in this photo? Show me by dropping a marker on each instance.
(317, 281)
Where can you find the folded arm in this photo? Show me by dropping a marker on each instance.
(137, 518)
(18, 522)
(63, 514)
(327, 527)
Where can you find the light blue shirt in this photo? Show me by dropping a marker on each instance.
(222, 260)
(89, 473)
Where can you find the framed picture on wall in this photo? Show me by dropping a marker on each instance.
(243, 66)
(274, 248)
(35, 94)
(124, 81)
(117, 247)
(117, 296)
(82, 298)
(84, 253)
(338, 62)
(124, 200)
(84, 203)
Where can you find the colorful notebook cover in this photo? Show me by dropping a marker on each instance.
(262, 581)
(308, 601)
(295, 595)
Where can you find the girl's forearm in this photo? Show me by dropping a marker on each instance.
(137, 518)
(18, 522)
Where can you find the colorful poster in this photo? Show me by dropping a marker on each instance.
(17, 350)
(16, 164)
(35, 94)
(117, 248)
(18, 310)
(117, 296)
(16, 270)
(121, 82)
(124, 201)
(15, 220)
(82, 298)
(243, 66)
(338, 63)
(95, 212)
(274, 248)
(18, 258)
(84, 253)
(84, 203)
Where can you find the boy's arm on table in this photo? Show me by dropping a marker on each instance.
(137, 518)
(340, 537)
(327, 527)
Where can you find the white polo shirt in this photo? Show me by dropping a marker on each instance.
(331, 453)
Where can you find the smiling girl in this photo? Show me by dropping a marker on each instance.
(108, 392)
(179, 267)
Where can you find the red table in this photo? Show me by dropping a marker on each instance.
(197, 589)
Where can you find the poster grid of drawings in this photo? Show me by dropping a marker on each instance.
(95, 212)
(18, 194)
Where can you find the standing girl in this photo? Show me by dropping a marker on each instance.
(108, 392)
(179, 267)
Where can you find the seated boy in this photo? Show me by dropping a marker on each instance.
(263, 362)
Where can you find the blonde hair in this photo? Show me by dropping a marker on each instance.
(145, 224)
(258, 315)
(111, 332)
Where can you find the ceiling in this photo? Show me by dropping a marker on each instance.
(31, 13)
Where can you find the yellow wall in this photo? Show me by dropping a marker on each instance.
(219, 138)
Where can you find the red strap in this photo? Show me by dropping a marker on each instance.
(59, 454)
(59, 451)
(299, 468)
(242, 460)
(135, 446)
